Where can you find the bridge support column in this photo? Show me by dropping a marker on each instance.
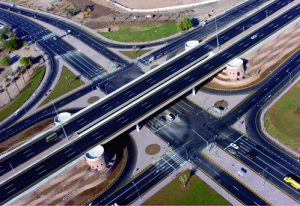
(194, 91)
(137, 126)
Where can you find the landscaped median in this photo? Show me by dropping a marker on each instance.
(24, 95)
(282, 120)
(66, 83)
(142, 32)
(195, 192)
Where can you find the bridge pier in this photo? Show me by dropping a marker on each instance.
(194, 91)
(137, 126)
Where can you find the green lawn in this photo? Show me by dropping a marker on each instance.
(134, 54)
(142, 32)
(282, 120)
(25, 94)
(195, 193)
(67, 82)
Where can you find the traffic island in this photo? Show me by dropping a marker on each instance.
(152, 149)
(93, 99)
(282, 119)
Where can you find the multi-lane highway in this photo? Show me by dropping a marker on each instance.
(170, 163)
(123, 76)
(257, 154)
(135, 90)
(51, 163)
(60, 48)
(191, 57)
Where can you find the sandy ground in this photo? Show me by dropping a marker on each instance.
(264, 58)
(105, 14)
(154, 4)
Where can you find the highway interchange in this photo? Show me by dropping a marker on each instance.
(116, 80)
(143, 86)
(152, 101)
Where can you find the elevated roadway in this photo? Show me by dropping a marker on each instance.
(117, 79)
(97, 112)
(141, 109)
(267, 161)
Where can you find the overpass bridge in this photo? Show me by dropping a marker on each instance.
(112, 103)
(146, 104)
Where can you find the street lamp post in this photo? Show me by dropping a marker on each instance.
(12, 168)
(264, 177)
(61, 124)
(266, 14)
(217, 32)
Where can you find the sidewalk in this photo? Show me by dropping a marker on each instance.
(257, 183)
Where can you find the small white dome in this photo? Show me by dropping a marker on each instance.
(95, 152)
(237, 62)
(62, 117)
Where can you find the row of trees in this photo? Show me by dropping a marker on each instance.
(8, 40)
(25, 63)
(11, 44)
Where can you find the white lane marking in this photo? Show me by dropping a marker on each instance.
(233, 142)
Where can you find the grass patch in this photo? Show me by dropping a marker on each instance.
(282, 120)
(25, 94)
(142, 32)
(134, 54)
(66, 83)
(196, 192)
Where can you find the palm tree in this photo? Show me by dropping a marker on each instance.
(8, 94)
(21, 70)
(15, 82)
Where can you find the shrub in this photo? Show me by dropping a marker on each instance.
(186, 24)
(5, 61)
(25, 62)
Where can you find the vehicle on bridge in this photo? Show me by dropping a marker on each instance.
(292, 182)
(51, 137)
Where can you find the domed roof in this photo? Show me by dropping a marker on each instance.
(62, 117)
(95, 152)
(237, 62)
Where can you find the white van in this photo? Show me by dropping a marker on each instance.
(17, 112)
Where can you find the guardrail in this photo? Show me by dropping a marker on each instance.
(147, 95)
(139, 79)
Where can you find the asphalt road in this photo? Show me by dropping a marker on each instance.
(139, 88)
(176, 65)
(169, 164)
(51, 163)
(58, 47)
(258, 152)
(121, 77)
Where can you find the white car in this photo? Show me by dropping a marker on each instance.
(17, 112)
(235, 146)
(254, 36)
(171, 117)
